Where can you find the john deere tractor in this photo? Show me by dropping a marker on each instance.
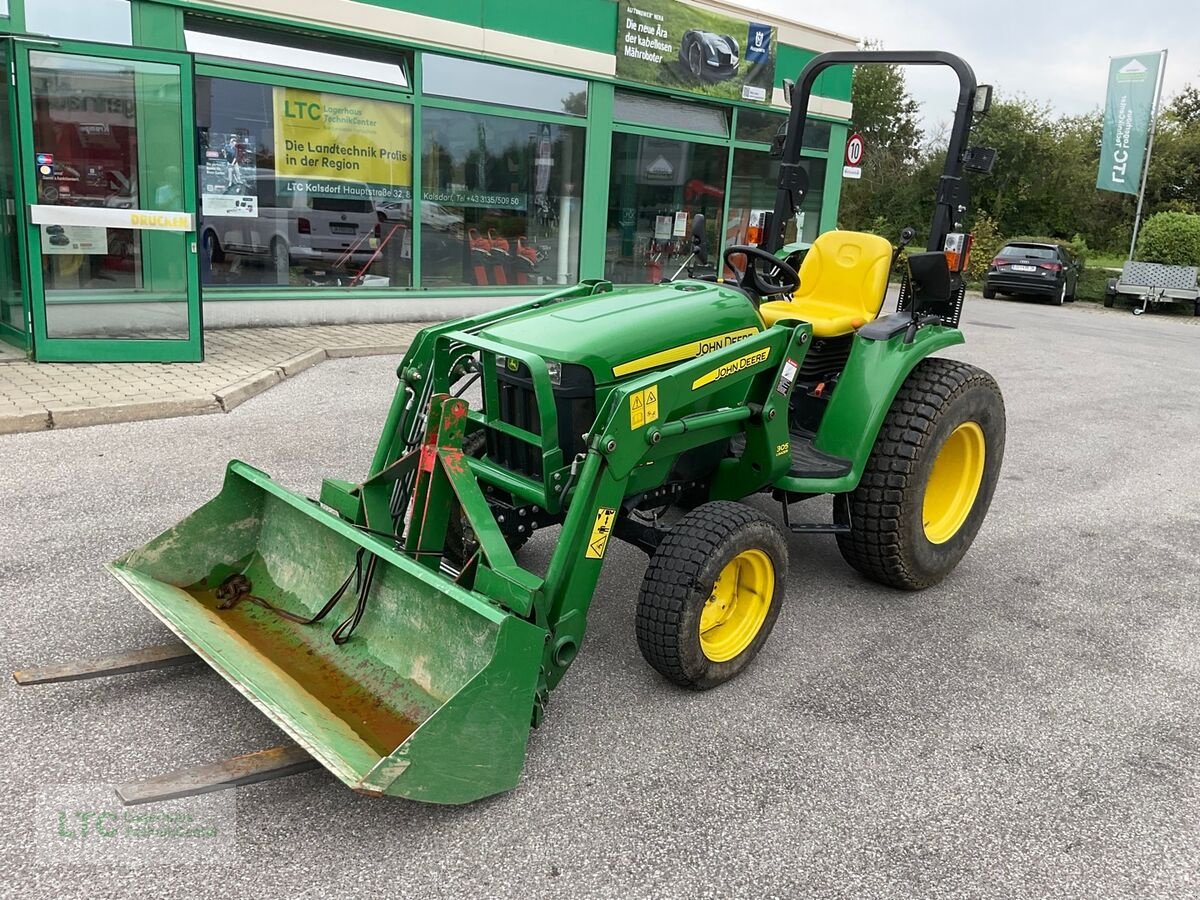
(388, 626)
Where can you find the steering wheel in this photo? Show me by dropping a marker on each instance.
(753, 278)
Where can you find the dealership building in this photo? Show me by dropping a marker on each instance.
(172, 166)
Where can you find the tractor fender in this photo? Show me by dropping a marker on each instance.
(873, 374)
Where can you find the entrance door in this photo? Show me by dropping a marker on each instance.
(108, 163)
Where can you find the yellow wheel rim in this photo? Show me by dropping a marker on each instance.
(738, 606)
(954, 482)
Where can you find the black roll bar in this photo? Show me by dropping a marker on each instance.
(793, 182)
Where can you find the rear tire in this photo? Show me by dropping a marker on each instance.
(911, 520)
(989, 294)
(711, 594)
(212, 247)
(1061, 297)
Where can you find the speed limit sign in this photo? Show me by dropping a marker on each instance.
(855, 149)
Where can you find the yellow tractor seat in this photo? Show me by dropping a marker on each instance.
(842, 283)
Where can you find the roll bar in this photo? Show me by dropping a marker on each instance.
(952, 192)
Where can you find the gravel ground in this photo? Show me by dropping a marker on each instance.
(1030, 727)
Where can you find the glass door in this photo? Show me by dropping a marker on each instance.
(106, 158)
(14, 319)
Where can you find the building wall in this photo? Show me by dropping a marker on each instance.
(605, 214)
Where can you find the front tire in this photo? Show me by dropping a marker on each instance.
(930, 478)
(711, 594)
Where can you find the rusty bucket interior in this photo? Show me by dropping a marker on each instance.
(431, 695)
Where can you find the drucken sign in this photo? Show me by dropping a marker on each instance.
(337, 146)
(671, 44)
(1132, 88)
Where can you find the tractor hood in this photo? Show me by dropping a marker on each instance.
(632, 330)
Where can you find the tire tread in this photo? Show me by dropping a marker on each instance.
(875, 545)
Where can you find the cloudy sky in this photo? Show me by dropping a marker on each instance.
(1055, 50)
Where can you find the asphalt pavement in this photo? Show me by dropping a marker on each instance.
(1030, 727)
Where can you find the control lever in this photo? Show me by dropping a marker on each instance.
(906, 237)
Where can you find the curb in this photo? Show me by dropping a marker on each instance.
(224, 400)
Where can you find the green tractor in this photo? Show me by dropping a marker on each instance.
(390, 629)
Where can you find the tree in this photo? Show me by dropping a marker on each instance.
(886, 116)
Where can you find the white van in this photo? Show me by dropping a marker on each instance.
(296, 228)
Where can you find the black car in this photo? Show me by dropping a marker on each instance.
(707, 56)
(1044, 270)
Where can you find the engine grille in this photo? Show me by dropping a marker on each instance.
(574, 402)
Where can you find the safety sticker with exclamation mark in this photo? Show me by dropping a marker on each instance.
(598, 542)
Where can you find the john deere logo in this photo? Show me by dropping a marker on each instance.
(1134, 70)
(513, 364)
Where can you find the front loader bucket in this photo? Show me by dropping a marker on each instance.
(431, 697)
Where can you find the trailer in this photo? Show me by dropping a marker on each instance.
(1149, 285)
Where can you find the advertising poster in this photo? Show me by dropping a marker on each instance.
(228, 174)
(1132, 89)
(336, 146)
(667, 43)
(72, 240)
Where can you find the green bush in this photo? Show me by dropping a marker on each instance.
(1091, 284)
(1172, 238)
(987, 244)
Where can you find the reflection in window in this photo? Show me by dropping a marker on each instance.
(107, 21)
(303, 188)
(660, 112)
(500, 200)
(752, 193)
(658, 186)
(447, 76)
(762, 125)
(296, 54)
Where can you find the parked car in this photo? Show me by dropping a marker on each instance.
(1043, 270)
(297, 228)
(707, 56)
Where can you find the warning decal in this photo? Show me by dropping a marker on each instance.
(598, 542)
(643, 407)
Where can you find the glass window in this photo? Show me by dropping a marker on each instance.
(3, 7)
(658, 186)
(752, 193)
(661, 112)
(447, 76)
(297, 53)
(107, 21)
(761, 125)
(500, 200)
(303, 188)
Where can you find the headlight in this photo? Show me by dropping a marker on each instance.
(555, 370)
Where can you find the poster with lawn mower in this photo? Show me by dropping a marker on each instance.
(667, 43)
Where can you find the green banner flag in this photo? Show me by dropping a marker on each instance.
(1132, 86)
